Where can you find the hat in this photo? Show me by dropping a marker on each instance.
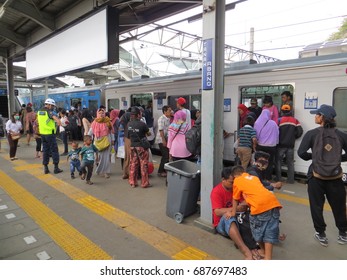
(29, 104)
(181, 101)
(254, 101)
(72, 108)
(285, 107)
(267, 99)
(50, 101)
(135, 110)
(326, 110)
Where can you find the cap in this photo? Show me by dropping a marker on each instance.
(254, 101)
(50, 101)
(285, 107)
(29, 104)
(326, 110)
(72, 108)
(181, 101)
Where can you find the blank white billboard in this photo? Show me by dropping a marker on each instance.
(81, 46)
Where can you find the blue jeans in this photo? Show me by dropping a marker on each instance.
(75, 164)
(265, 226)
(224, 225)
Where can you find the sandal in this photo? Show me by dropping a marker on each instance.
(83, 176)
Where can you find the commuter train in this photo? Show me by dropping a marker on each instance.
(312, 81)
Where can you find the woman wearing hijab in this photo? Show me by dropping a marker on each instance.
(176, 137)
(100, 127)
(139, 152)
(267, 136)
(243, 112)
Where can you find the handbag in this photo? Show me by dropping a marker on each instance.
(102, 143)
(15, 136)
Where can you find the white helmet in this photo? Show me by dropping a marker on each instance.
(50, 101)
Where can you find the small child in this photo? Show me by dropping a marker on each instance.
(75, 162)
(87, 156)
(264, 206)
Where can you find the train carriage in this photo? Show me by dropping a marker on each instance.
(312, 81)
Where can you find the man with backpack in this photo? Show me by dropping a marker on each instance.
(325, 173)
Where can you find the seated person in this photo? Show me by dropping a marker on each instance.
(261, 161)
(224, 223)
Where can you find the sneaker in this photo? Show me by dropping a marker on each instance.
(72, 176)
(342, 239)
(321, 238)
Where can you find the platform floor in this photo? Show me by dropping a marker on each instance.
(54, 217)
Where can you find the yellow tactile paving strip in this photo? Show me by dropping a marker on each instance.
(165, 243)
(75, 244)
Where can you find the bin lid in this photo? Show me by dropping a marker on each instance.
(183, 167)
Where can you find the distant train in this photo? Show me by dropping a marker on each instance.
(312, 81)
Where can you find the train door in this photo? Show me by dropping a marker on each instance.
(339, 103)
(260, 91)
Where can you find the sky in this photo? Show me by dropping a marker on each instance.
(281, 28)
(279, 25)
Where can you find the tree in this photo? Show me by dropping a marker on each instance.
(341, 34)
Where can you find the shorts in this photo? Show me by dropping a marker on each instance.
(265, 226)
(224, 225)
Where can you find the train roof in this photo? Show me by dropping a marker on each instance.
(237, 69)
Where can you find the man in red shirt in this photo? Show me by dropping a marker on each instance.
(224, 223)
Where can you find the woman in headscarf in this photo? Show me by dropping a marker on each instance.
(176, 137)
(243, 112)
(139, 152)
(114, 116)
(267, 136)
(100, 127)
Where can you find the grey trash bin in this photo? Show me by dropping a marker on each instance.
(183, 179)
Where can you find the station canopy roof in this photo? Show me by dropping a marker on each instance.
(25, 22)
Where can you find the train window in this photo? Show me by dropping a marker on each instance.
(75, 102)
(113, 104)
(195, 102)
(140, 99)
(172, 101)
(259, 91)
(93, 106)
(340, 101)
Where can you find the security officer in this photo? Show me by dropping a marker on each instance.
(47, 120)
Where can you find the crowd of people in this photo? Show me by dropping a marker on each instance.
(265, 141)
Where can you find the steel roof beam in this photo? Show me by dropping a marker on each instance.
(33, 13)
(15, 38)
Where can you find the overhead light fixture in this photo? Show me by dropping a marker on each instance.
(2, 11)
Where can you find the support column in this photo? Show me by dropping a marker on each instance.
(10, 87)
(212, 103)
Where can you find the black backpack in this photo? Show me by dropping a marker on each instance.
(193, 138)
(326, 154)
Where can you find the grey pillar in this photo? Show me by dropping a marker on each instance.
(212, 103)
(10, 87)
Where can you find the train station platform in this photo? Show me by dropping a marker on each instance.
(55, 217)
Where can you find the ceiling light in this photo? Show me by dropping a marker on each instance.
(2, 11)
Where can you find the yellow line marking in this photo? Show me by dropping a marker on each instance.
(75, 244)
(162, 241)
(299, 200)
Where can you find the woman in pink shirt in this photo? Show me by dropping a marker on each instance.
(176, 137)
(269, 105)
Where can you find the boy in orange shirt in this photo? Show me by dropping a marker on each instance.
(264, 206)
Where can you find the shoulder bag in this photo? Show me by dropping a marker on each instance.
(102, 143)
